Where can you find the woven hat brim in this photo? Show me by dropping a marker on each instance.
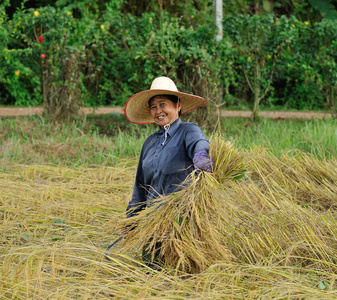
(137, 109)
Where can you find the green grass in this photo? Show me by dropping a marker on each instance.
(105, 140)
(32, 140)
(312, 136)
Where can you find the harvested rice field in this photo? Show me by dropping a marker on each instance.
(270, 234)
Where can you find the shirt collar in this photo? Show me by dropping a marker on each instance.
(173, 128)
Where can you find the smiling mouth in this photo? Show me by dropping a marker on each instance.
(161, 117)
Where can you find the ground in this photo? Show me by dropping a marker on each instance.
(21, 111)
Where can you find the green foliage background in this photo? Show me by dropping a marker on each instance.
(281, 51)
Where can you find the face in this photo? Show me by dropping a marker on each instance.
(164, 111)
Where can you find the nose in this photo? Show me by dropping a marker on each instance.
(158, 110)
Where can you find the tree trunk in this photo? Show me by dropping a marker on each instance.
(61, 93)
(257, 90)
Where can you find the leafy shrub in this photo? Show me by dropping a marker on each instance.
(103, 55)
(290, 56)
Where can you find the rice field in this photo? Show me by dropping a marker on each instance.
(59, 212)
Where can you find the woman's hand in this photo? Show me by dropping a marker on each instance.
(202, 161)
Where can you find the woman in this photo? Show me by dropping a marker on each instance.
(169, 155)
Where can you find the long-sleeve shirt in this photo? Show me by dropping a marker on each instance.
(163, 166)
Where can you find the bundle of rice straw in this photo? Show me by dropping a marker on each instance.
(189, 224)
(228, 161)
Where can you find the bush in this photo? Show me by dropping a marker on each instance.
(104, 56)
(283, 61)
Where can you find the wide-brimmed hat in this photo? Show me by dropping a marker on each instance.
(137, 107)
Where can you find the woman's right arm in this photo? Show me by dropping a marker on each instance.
(138, 200)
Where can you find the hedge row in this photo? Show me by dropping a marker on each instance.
(261, 60)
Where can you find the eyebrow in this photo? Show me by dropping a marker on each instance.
(159, 101)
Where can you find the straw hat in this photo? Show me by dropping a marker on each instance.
(137, 108)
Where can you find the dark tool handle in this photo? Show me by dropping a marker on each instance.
(112, 245)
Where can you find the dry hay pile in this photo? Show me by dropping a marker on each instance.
(281, 213)
(288, 211)
(269, 235)
(51, 223)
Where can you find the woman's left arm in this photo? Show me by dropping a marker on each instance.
(197, 146)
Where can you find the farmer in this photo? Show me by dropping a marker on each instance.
(169, 155)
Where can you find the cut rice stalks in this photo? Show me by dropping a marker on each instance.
(282, 213)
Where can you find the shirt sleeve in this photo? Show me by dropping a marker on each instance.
(138, 200)
(195, 140)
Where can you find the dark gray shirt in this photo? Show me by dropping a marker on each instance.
(163, 167)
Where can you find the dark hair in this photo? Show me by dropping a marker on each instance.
(173, 98)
